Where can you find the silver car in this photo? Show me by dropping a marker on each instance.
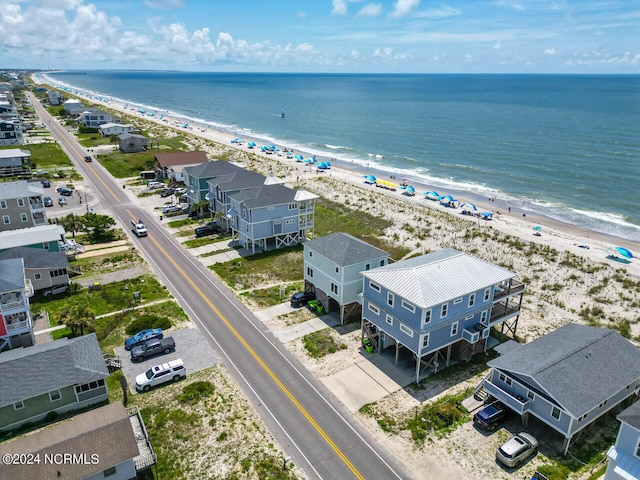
(515, 450)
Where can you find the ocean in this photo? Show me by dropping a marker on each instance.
(563, 146)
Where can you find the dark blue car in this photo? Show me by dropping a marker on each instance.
(141, 337)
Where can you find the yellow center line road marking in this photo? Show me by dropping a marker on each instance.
(273, 376)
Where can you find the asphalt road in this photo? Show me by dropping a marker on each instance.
(314, 429)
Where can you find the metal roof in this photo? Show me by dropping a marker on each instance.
(344, 249)
(31, 371)
(576, 365)
(14, 153)
(437, 277)
(31, 236)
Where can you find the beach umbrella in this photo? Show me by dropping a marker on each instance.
(486, 215)
(537, 228)
(624, 252)
(369, 178)
(251, 144)
(411, 189)
(469, 206)
(432, 195)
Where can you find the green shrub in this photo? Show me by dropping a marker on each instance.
(147, 321)
(193, 392)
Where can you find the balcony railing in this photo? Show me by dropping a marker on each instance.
(501, 312)
(22, 325)
(147, 456)
(517, 404)
(515, 287)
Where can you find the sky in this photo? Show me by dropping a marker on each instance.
(325, 36)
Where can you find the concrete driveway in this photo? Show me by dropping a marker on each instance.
(191, 346)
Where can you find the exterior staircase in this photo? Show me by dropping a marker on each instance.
(479, 393)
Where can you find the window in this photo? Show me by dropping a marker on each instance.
(390, 299)
(24, 217)
(555, 413)
(406, 330)
(334, 288)
(310, 272)
(382, 263)
(425, 340)
(89, 386)
(310, 253)
(374, 286)
(444, 310)
(389, 319)
(37, 276)
(367, 266)
(472, 300)
(457, 301)
(3, 204)
(6, 220)
(374, 309)
(487, 293)
(408, 306)
(469, 317)
(483, 317)
(18, 405)
(502, 377)
(427, 316)
(21, 202)
(454, 329)
(337, 269)
(509, 381)
(109, 471)
(485, 333)
(531, 395)
(55, 395)
(602, 404)
(290, 221)
(638, 450)
(293, 206)
(582, 417)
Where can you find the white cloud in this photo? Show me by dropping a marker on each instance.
(339, 7)
(442, 12)
(165, 4)
(370, 10)
(551, 51)
(510, 4)
(402, 8)
(498, 46)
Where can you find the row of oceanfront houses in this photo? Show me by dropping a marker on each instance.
(433, 310)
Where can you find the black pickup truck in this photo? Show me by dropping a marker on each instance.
(152, 347)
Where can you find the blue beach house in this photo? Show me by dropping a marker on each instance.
(624, 456)
(271, 216)
(438, 307)
(196, 178)
(566, 379)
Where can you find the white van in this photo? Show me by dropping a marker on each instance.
(153, 184)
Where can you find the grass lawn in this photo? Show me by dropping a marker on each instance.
(122, 165)
(90, 140)
(109, 262)
(267, 297)
(113, 297)
(47, 156)
(273, 267)
(321, 343)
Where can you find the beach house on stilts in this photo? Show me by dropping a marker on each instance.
(440, 307)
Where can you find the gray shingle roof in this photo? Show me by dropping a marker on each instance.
(11, 275)
(578, 366)
(106, 431)
(124, 136)
(438, 277)
(36, 257)
(265, 196)
(212, 169)
(238, 180)
(631, 415)
(28, 372)
(344, 249)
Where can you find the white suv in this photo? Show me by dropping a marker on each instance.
(158, 374)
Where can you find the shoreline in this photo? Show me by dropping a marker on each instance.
(563, 214)
(512, 223)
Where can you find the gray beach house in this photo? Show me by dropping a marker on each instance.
(439, 307)
(16, 325)
(566, 379)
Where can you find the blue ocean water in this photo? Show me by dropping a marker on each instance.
(565, 146)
